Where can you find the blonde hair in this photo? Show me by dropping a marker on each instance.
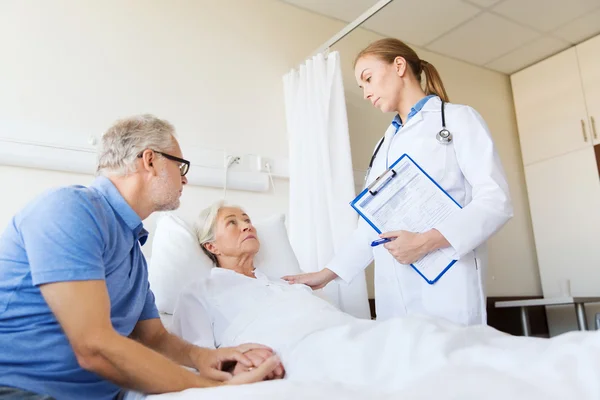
(389, 48)
(127, 138)
(204, 227)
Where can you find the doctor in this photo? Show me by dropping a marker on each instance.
(452, 143)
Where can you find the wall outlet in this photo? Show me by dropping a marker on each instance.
(263, 164)
(248, 162)
(230, 160)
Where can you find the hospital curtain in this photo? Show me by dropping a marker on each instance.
(321, 175)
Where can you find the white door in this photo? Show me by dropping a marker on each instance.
(589, 65)
(550, 108)
(564, 195)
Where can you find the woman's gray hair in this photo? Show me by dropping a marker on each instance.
(204, 227)
(127, 138)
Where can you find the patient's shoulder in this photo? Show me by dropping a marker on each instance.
(195, 283)
(195, 289)
(203, 287)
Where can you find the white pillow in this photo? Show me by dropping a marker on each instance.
(177, 258)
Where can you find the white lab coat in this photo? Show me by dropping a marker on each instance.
(469, 169)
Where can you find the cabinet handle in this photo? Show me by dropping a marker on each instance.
(583, 130)
(594, 128)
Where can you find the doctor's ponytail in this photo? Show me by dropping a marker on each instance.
(389, 48)
(433, 81)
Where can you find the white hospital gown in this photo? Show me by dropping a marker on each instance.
(218, 310)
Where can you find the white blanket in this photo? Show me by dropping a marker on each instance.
(330, 355)
(461, 383)
(392, 356)
(418, 358)
(492, 366)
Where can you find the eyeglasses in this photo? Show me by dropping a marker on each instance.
(184, 165)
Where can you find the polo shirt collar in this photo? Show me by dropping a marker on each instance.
(121, 207)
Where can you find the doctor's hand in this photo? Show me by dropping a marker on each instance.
(315, 280)
(212, 363)
(258, 357)
(409, 247)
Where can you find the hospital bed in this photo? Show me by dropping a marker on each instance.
(568, 367)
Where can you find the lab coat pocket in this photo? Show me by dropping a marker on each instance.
(456, 296)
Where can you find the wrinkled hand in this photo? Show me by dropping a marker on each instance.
(258, 357)
(407, 247)
(211, 362)
(316, 280)
(257, 374)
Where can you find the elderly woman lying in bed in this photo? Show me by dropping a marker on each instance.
(315, 341)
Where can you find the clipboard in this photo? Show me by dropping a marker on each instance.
(386, 181)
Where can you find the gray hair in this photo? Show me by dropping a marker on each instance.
(127, 138)
(204, 227)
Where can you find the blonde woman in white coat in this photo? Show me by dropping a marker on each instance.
(468, 168)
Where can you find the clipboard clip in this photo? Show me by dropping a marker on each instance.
(382, 183)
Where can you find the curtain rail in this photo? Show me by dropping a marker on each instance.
(352, 25)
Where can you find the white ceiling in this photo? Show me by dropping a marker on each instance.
(502, 35)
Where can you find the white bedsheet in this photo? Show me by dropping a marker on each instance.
(449, 382)
(437, 362)
(330, 355)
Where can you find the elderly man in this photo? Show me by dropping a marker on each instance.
(77, 316)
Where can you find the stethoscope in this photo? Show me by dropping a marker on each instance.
(443, 137)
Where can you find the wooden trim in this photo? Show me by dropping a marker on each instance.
(597, 152)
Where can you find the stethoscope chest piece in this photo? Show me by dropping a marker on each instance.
(444, 136)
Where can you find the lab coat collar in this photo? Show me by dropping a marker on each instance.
(434, 104)
(397, 121)
(415, 119)
(390, 131)
(419, 115)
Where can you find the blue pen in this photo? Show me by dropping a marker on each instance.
(380, 241)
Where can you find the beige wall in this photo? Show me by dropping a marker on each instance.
(512, 259)
(214, 69)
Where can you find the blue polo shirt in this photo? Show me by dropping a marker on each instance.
(68, 234)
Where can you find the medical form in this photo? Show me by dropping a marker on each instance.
(406, 198)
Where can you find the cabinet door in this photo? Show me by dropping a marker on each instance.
(589, 65)
(564, 196)
(550, 108)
